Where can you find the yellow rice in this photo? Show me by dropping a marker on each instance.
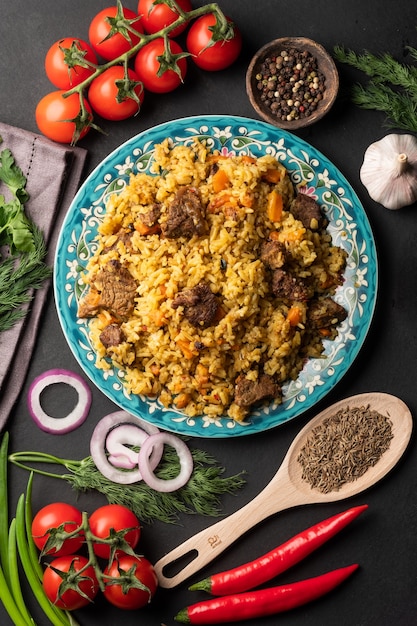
(254, 331)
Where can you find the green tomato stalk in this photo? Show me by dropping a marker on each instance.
(221, 31)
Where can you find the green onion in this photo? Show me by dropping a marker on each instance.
(15, 586)
(8, 557)
(55, 615)
(4, 508)
(9, 603)
(32, 551)
(16, 544)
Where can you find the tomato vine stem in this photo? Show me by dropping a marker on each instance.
(222, 30)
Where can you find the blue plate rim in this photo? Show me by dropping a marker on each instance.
(225, 427)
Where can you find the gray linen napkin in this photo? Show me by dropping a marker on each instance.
(53, 173)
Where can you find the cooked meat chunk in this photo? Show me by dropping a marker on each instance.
(200, 305)
(306, 209)
(186, 215)
(151, 217)
(273, 254)
(289, 287)
(113, 289)
(325, 312)
(250, 392)
(112, 335)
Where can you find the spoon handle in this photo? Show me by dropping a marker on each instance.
(206, 545)
(286, 490)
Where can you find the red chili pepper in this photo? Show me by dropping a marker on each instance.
(262, 602)
(280, 559)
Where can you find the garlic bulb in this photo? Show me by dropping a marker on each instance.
(389, 171)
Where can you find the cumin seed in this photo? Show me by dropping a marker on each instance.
(343, 447)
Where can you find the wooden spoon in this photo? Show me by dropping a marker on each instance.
(287, 489)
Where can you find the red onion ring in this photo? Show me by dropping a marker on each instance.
(75, 418)
(122, 456)
(184, 455)
(98, 447)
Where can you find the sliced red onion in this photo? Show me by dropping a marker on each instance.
(98, 444)
(120, 454)
(184, 455)
(79, 413)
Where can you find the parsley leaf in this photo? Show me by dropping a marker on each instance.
(15, 227)
(13, 176)
(22, 270)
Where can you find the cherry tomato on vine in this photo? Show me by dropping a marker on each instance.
(54, 114)
(69, 598)
(134, 597)
(113, 517)
(107, 87)
(212, 57)
(61, 62)
(118, 43)
(57, 516)
(158, 16)
(149, 61)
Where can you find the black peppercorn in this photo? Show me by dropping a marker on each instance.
(290, 83)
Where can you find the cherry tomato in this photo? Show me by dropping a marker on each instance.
(117, 44)
(53, 113)
(61, 74)
(133, 598)
(61, 516)
(113, 517)
(157, 16)
(104, 91)
(148, 64)
(70, 599)
(215, 57)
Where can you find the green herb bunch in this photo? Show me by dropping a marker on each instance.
(392, 88)
(22, 247)
(201, 495)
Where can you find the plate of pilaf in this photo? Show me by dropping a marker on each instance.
(215, 276)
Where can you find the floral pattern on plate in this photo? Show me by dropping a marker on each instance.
(310, 171)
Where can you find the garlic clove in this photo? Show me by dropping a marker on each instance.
(389, 171)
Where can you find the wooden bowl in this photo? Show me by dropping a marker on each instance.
(327, 73)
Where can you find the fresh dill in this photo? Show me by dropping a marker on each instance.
(22, 269)
(391, 89)
(201, 495)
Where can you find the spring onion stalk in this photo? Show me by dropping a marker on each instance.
(7, 560)
(15, 586)
(4, 508)
(9, 603)
(16, 544)
(57, 618)
(32, 551)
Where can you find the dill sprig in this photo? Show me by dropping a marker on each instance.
(392, 88)
(201, 495)
(19, 276)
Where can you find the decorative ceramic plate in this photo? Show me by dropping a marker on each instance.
(348, 226)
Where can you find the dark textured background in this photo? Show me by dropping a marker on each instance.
(384, 539)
